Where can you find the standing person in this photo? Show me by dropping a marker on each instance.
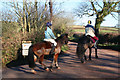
(90, 30)
(49, 37)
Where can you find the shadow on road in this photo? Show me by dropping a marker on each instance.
(21, 60)
(105, 66)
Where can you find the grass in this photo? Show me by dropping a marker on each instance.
(102, 29)
(108, 31)
(115, 45)
(78, 30)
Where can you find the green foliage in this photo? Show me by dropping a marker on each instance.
(61, 25)
(64, 48)
(109, 39)
(11, 40)
(79, 30)
(13, 35)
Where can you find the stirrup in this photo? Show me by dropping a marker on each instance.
(51, 53)
(95, 46)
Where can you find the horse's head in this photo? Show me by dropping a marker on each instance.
(63, 38)
(66, 38)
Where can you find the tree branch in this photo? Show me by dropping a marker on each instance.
(94, 7)
(113, 16)
(115, 4)
(99, 5)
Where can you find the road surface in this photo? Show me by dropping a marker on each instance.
(106, 66)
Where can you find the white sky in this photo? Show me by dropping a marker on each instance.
(70, 5)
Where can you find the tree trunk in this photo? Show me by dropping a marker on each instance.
(50, 4)
(24, 16)
(36, 15)
(22, 25)
(28, 24)
(51, 14)
(97, 25)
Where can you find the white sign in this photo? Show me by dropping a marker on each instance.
(25, 47)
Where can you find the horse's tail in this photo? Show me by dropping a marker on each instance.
(31, 57)
(80, 50)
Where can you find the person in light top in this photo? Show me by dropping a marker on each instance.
(50, 37)
(90, 31)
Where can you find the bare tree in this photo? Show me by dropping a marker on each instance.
(32, 15)
(51, 11)
(28, 13)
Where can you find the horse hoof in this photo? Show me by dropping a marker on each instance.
(96, 56)
(82, 61)
(90, 59)
(47, 69)
(51, 70)
(58, 68)
(34, 72)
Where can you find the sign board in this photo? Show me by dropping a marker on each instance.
(25, 47)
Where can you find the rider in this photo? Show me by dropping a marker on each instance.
(49, 37)
(90, 30)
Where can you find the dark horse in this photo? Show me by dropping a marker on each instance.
(83, 44)
(37, 52)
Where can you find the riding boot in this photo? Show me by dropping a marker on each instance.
(52, 50)
(95, 44)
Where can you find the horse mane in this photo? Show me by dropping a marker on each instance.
(61, 37)
(83, 39)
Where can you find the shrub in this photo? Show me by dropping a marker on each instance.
(61, 25)
(11, 41)
(109, 38)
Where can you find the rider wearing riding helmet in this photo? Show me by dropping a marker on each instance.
(90, 30)
(49, 36)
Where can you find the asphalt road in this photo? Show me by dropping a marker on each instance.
(106, 66)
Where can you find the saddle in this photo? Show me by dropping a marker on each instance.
(91, 38)
(48, 43)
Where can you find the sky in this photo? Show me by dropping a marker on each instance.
(69, 5)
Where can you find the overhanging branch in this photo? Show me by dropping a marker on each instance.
(113, 16)
(94, 7)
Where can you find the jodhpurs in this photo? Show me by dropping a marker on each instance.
(52, 41)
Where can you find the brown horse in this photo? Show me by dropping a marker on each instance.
(37, 52)
(83, 44)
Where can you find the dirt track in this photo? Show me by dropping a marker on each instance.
(106, 66)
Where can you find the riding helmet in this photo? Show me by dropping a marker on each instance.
(89, 22)
(48, 24)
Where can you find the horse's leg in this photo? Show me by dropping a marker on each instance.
(31, 60)
(80, 51)
(90, 53)
(82, 59)
(56, 60)
(96, 56)
(33, 71)
(85, 57)
(81, 56)
(41, 62)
